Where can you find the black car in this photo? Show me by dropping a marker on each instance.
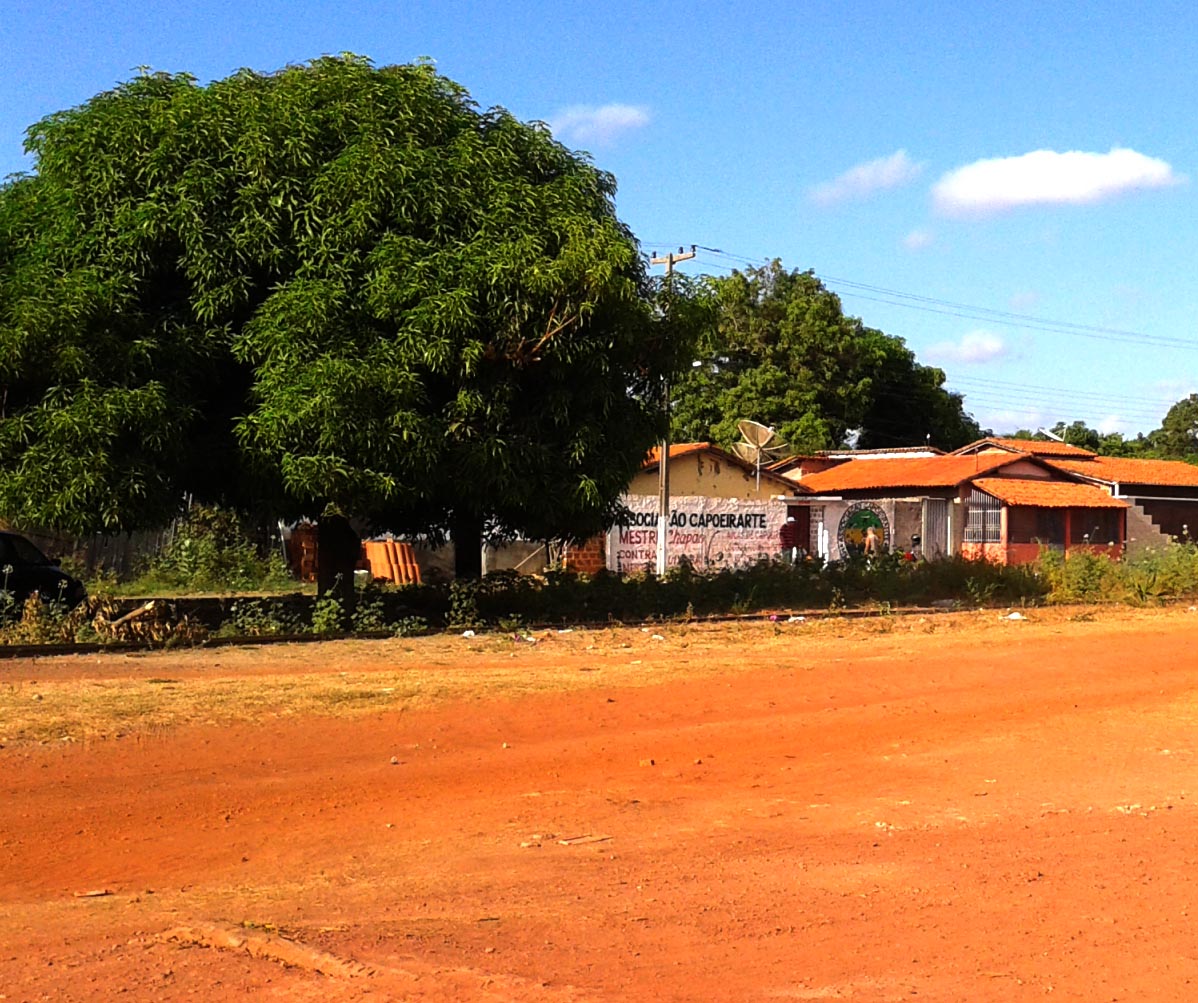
(24, 570)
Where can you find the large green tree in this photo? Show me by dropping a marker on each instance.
(331, 284)
(783, 352)
(1177, 438)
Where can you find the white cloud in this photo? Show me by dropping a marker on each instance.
(865, 179)
(973, 349)
(1113, 423)
(597, 123)
(917, 240)
(1045, 177)
(1009, 420)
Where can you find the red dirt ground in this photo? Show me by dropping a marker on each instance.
(1000, 811)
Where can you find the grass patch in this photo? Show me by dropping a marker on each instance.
(114, 695)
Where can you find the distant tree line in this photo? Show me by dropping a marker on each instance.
(1175, 439)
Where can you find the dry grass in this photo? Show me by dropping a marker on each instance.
(80, 699)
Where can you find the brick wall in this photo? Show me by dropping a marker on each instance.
(586, 558)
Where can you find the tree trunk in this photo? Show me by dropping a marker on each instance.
(338, 548)
(467, 533)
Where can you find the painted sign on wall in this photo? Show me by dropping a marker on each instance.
(864, 528)
(709, 532)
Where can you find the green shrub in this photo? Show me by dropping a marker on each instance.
(211, 551)
(328, 616)
(260, 618)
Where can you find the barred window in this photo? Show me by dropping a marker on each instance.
(984, 524)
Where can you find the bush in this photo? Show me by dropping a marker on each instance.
(37, 622)
(515, 602)
(260, 618)
(211, 551)
(566, 597)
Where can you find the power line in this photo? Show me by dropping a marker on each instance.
(976, 385)
(1096, 394)
(966, 311)
(998, 393)
(1036, 324)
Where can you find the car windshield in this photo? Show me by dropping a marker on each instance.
(25, 552)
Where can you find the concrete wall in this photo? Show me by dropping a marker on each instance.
(907, 522)
(526, 556)
(1173, 518)
(1024, 470)
(1143, 533)
(903, 518)
(708, 476)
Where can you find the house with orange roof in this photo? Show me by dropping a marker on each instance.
(1002, 499)
(994, 502)
(1031, 447)
(1162, 495)
(724, 512)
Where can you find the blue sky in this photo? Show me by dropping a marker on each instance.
(1010, 187)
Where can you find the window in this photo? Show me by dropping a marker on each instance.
(985, 519)
(1094, 525)
(26, 552)
(1026, 524)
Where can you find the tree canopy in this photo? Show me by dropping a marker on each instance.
(784, 353)
(1178, 435)
(334, 283)
(1176, 439)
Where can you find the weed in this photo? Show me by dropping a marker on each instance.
(259, 618)
(513, 625)
(410, 626)
(980, 593)
(464, 613)
(369, 615)
(328, 617)
(211, 551)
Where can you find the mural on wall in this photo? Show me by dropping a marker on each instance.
(709, 532)
(863, 529)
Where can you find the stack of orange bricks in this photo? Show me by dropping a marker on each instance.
(392, 561)
(302, 551)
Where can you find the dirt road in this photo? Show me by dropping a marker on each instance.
(960, 809)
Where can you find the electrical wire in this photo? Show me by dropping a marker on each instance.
(995, 393)
(930, 304)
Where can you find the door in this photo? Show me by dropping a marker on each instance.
(935, 528)
(802, 517)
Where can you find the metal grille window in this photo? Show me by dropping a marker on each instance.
(985, 519)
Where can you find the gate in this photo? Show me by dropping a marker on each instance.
(935, 534)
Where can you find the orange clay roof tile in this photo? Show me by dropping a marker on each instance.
(677, 449)
(914, 472)
(1033, 447)
(1126, 470)
(1047, 494)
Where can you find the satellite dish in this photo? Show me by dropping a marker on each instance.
(746, 452)
(755, 443)
(754, 433)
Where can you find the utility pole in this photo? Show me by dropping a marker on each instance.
(663, 467)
